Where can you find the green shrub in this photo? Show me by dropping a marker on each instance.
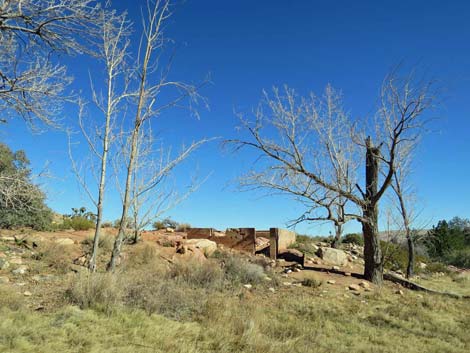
(310, 282)
(165, 223)
(78, 223)
(459, 258)
(305, 244)
(396, 257)
(353, 238)
(434, 267)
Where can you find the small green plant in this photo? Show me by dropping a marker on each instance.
(353, 238)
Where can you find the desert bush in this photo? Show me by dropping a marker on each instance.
(353, 238)
(10, 299)
(143, 255)
(99, 291)
(105, 243)
(183, 227)
(165, 223)
(434, 267)
(306, 246)
(310, 282)
(238, 270)
(178, 293)
(207, 275)
(107, 224)
(78, 223)
(56, 256)
(396, 257)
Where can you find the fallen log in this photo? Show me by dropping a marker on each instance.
(414, 286)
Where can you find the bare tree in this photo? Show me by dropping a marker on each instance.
(287, 135)
(149, 102)
(99, 130)
(151, 193)
(32, 82)
(325, 121)
(405, 196)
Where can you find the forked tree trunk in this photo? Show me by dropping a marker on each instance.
(127, 198)
(373, 262)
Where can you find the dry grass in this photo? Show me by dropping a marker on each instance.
(56, 256)
(158, 306)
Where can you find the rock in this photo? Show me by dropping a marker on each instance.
(399, 292)
(289, 271)
(170, 240)
(272, 290)
(81, 261)
(286, 283)
(347, 274)
(4, 279)
(331, 281)
(208, 247)
(354, 287)
(43, 278)
(333, 256)
(336, 268)
(364, 284)
(27, 293)
(9, 239)
(64, 241)
(356, 293)
(422, 265)
(16, 260)
(20, 270)
(248, 286)
(170, 230)
(4, 264)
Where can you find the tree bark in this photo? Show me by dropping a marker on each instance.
(373, 262)
(338, 233)
(411, 255)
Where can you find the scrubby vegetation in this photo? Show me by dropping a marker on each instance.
(22, 203)
(449, 242)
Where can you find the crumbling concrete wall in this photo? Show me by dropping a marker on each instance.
(242, 239)
(200, 233)
(280, 239)
(285, 238)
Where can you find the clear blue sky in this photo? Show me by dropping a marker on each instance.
(251, 45)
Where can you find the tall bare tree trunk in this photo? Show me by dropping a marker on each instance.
(373, 262)
(101, 187)
(99, 208)
(127, 196)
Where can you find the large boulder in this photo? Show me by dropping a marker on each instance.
(333, 256)
(207, 246)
